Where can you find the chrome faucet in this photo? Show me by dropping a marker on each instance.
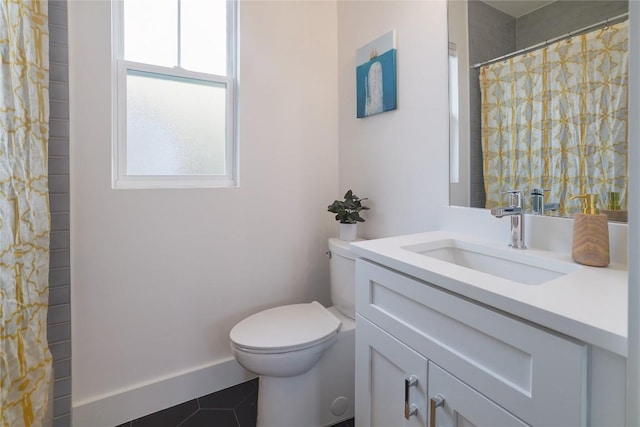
(515, 210)
(551, 206)
(538, 205)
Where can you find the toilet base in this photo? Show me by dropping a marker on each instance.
(320, 397)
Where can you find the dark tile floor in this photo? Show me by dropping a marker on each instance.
(233, 407)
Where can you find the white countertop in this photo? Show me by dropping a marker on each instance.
(589, 304)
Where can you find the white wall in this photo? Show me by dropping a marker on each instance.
(398, 159)
(160, 276)
(633, 364)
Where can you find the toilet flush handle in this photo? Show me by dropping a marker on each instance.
(328, 254)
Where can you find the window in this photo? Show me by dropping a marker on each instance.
(174, 107)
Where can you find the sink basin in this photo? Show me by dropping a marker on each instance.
(510, 264)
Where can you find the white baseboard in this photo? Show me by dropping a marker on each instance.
(146, 398)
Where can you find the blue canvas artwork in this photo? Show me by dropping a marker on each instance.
(376, 76)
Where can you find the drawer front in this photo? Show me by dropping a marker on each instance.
(462, 406)
(537, 375)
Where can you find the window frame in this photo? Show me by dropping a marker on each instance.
(120, 70)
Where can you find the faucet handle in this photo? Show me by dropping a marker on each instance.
(515, 198)
(537, 200)
(539, 191)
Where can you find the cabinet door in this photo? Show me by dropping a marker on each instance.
(383, 367)
(462, 406)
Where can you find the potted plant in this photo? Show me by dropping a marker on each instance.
(348, 214)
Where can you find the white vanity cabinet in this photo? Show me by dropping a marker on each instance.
(418, 343)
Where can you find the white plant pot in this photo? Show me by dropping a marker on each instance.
(348, 231)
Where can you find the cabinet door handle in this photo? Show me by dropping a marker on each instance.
(436, 402)
(409, 408)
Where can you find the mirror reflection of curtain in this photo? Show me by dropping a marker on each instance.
(25, 360)
(556, 118)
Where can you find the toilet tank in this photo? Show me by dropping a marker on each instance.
(342, 268)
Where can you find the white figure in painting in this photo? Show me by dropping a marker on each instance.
(373, 88)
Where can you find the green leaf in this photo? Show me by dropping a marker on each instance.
(347, 210)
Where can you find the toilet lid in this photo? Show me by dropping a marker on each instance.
(290, 327)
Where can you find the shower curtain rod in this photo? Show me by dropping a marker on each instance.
(604, 23)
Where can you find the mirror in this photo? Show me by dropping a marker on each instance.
(538, 103)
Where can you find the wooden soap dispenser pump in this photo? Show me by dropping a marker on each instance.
(590, 234)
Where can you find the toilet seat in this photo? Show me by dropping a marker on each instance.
(286, 328)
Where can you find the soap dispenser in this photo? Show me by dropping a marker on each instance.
(590, 234)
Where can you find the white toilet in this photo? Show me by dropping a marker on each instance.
(304, 353)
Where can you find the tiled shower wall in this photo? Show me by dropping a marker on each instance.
(560, 17)
(491, 34)
(59, 321)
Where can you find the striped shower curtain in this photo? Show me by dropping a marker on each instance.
(25, 360)
(556, 118)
